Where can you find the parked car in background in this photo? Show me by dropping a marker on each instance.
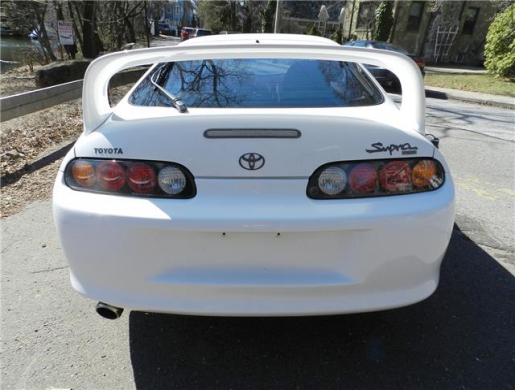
(164, 29)
(187, 33)
(254, 175)
(382, 75)
(201, 32)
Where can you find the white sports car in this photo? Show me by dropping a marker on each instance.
(254, 175)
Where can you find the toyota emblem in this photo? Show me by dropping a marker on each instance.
(252, 161)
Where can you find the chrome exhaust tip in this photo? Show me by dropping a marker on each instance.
(107, 311)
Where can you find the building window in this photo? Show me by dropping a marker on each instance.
(470, 20)
(415, 15)
(366, 15)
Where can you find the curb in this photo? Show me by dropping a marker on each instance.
(464, 97)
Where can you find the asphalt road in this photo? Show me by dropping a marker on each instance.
(460, 338)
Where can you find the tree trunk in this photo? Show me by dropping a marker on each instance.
(89, 49)
(147, 27)
(43, 35)
(268, 16)
(76, 22)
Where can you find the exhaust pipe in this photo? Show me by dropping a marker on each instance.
(107, 311)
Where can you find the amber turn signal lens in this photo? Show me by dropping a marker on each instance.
(423, 173)
(83, 173)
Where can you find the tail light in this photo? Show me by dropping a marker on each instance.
(395, 177)
(84, 173)
(375, 178)
(130, 178)
(363, 179)
(420, 62)
(110, 175)
(141, 178)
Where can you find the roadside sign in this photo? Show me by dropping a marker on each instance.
(65, 30)
(51, 31)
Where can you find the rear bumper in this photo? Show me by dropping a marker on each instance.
(265, 252)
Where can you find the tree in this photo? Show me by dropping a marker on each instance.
(313, 30)
(27, 15)
(500, 45)
(337, 36)
(267, 16)
(216, 15)
(234, 15)
(383, 21)
(119, 22)
(90, 47)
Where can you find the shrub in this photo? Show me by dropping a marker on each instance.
(337, 36)
(313, 30)
(500, 45)
(383, 21)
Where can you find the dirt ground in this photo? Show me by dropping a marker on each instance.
(32, 146)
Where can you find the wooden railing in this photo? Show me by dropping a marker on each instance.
(28, 102)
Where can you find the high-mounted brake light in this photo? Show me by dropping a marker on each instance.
(375, 178)
(130, 178)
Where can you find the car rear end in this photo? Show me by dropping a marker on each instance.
(421, 63)
(280, 203)
(201, 32)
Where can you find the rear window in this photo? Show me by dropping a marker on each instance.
(201, 33)
(257, 83)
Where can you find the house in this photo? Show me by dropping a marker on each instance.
(439, 31)
(175, 14)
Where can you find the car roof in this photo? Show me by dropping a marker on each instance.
(241, 39)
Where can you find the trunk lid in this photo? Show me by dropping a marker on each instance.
(321, 139)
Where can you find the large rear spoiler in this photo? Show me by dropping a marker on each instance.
(97, 109)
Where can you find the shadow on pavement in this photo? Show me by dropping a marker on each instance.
(436, 95)
(11, 178)
(429, 94)
(460, 338)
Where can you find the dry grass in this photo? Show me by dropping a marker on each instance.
(482, 83)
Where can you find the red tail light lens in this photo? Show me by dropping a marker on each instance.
(141, 178)
(363, 178)
(380, 178)
(110, 175)
(395, 177)
(130, 178)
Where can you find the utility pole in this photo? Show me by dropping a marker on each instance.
(278, 13)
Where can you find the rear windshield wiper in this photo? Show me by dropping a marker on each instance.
(177, 102)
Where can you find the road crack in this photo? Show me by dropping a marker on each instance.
(48, 270)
